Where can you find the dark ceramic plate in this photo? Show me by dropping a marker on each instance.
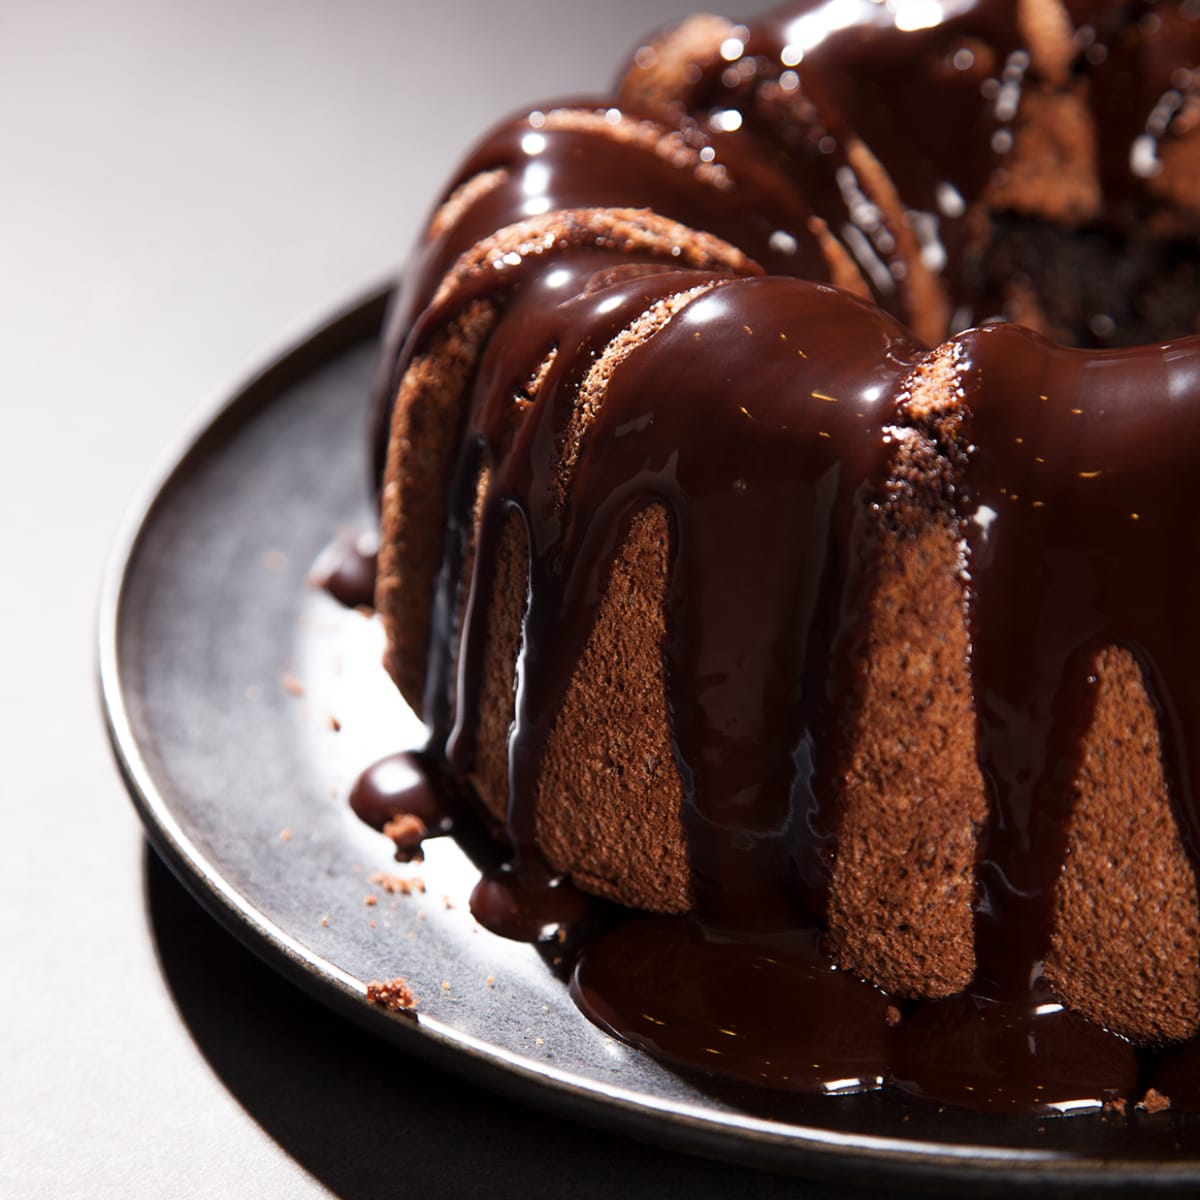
(224, 674)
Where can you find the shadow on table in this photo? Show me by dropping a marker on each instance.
(368, 1120)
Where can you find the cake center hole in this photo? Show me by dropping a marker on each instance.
(1089, 287)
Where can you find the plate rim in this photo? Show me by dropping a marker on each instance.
(849, 1158)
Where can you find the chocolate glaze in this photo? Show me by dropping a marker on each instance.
(786, 451)
(1009, 1056)
(395, 785)
(778, 475)
(804, 391)
(1071, 500)
(770, 1010)
(1176, 1075)
(819, 78)
(527, 902)
(760, 145)
(1084, 458)
(589, 153)
(346, 569)
(939, 106)
(1144, 68)
(1069, 468)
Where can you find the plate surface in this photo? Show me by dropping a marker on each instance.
(242, 702)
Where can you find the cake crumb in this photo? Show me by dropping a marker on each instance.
(491, 981)
(561, 934)
(394, 994)
(1154, 1102)
(448, 902)
(539, 1041)
(407, 831)
(891, 1016)
(334, 723)
(396, 885)
(285, 835)
(325, 922)
(445, 985)
(1118, 1105)
(291, 684)
(370, 900)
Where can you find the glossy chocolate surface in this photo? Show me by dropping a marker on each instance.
(398, 785)
(763, 416)
(346, 569)
(771, 1010)
(1074, 499)
(937, 92)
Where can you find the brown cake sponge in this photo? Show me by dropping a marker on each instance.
(609, 796)
(1126, 948)
(900, 904)
(609, 802)
(497, 697)
(424, 434)
(657, 79)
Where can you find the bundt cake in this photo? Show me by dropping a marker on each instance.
(864, 669)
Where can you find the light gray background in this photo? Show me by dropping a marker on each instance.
(182, 186)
